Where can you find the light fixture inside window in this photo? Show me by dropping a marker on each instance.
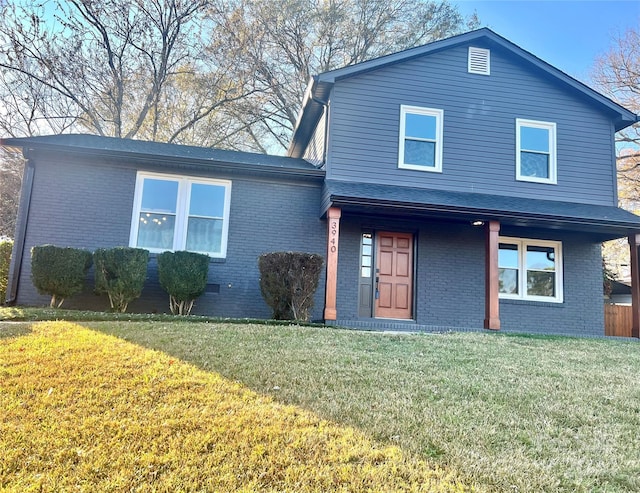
(477, 222)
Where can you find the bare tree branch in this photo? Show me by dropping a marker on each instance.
(617, 74)
(283, 42)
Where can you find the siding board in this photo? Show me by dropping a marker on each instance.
(479, 128)
(314, 153)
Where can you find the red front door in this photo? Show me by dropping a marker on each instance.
(394, 275)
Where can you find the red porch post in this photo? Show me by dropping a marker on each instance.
(492, 304)
(634, 242)
(333, 235)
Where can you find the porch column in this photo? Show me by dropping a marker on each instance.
(634, 242)
(491, 302)
(333, 235)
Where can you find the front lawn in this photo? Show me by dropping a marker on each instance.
(170, 405)
(83, 411)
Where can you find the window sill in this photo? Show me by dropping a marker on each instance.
(537, 180)
(417, 167)
(212, 260)
(549, 304)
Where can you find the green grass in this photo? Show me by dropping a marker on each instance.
(83, 411)
(506, 413)
(497, 413)
(29, 314)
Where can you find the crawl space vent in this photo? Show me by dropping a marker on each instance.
(479, 61)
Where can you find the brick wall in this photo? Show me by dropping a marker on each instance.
(450, 277)
(89, 205)
(581, 313)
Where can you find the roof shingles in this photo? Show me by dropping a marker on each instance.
(605, 220)
(110, 145)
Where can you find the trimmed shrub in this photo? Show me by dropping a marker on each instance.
(120, 273)
(184, 276)
(288, 281)
(5, 259)
(59, 272)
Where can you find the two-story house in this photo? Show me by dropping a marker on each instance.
(464, 184)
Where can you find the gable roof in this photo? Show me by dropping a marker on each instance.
(165, 154)
(319, 87)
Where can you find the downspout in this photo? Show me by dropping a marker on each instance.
(325, 144)
(614, 158)
(17, 253)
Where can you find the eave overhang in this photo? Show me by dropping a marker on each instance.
(160, 155)
(601, 222)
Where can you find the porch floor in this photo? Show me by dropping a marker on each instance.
(389, 325)
(411, 327)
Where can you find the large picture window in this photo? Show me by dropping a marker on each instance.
(530, 269)
(420, 144)
(179, 213)
(536, 151)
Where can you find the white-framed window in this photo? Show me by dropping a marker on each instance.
(173, 212)
(420, 138)
(536, 151)
(530, 269)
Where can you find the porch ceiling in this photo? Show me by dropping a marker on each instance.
(603, 222)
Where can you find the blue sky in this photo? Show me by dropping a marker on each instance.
(569, 34)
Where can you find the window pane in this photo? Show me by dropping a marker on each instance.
(365, 258)
(156, 231)
(533, 164)
(541, 283)
(541, 258)
(159, 195)
(534, 139)
(508, 281)
(207, 200)
(204, 235)
(420, 126)
(421, 153)
(508, 255)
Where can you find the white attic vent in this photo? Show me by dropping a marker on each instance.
(479, 61)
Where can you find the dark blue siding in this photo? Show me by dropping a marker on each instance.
(450, 280)
(479, 128)
(90, 206)
(314, 153)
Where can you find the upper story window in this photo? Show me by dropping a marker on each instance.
(420, 138)
(536, 151)
(530, 269)
(178, 213)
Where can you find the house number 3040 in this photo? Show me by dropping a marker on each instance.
(333, 230)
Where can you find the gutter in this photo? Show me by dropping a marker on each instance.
(17, 254)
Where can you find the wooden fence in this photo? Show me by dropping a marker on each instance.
(617, 320)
